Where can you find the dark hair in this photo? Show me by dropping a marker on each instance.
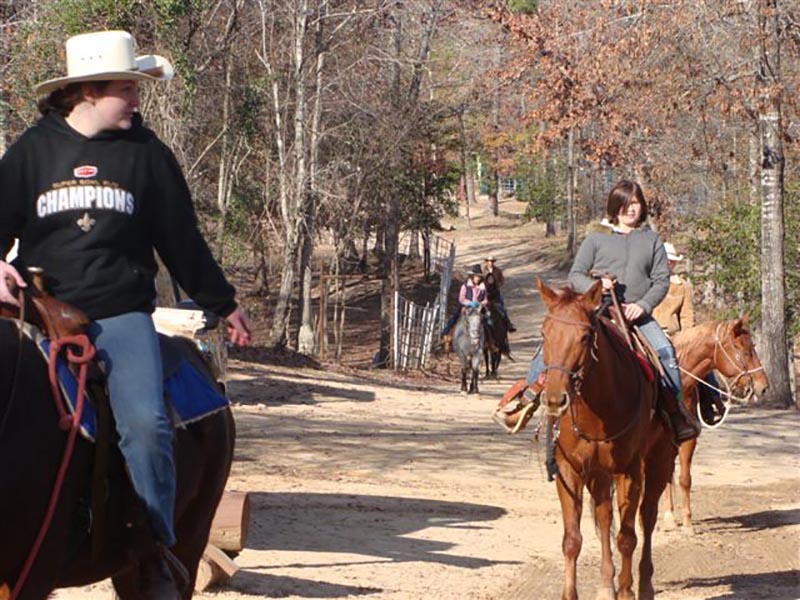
(63, 100)
(623, 194)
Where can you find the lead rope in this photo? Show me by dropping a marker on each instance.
(66, 422)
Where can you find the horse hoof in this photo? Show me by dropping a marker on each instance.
(668, 522)
(605, 594)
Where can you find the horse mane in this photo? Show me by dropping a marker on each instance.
(566, 295)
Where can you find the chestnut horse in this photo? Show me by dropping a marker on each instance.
(727, 347)
(602, 406)
(31, 448)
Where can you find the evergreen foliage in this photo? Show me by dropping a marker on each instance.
(725, 250)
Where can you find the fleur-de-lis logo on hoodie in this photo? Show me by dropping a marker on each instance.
(86, 222)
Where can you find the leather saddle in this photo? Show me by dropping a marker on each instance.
(55, 318)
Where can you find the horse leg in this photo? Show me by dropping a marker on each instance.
(476, 372)
(669, 507)
(686, 454)
(629, 491)
(570, 495)
(473, 381)
(126, 584)
(600, 489)
(659, 466)
(463, 376)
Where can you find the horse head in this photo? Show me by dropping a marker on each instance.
(468, 333)
(568, 335)
(735, 356)
(472, 319)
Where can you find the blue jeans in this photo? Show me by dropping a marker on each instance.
(652, 331)
(536, 367)
(128, 347)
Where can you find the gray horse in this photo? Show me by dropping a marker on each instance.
(469, 339)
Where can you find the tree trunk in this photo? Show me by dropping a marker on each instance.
(293, 186)
(305, 334)
(571, 178)
(494, 193)
(753, 183)
(279, 335)
(774, 351)
(464, 170)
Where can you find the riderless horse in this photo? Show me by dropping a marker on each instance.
(727, 347)
(601, 405)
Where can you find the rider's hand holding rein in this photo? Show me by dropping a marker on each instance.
(7, 272)
(632, 312)
(238, 327)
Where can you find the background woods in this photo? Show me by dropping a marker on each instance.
(320, 130)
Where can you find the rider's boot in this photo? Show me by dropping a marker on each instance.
(447, 342)
(684, 426)
(517, 406)
(155, 578)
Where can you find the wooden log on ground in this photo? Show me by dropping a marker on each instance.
(231, 522)
(215, 568)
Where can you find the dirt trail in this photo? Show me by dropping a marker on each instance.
(369, 485)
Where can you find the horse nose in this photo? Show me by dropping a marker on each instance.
(556, 403)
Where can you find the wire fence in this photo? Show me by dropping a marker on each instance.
(417, 329)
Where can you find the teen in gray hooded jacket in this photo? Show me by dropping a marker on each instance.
(624, 247)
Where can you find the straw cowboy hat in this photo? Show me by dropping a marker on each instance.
(491, 258)
(106, 56)
(672, 254)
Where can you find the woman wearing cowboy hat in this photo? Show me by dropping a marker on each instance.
(90, 192)
(471, 295)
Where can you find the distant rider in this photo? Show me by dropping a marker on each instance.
(494, 280)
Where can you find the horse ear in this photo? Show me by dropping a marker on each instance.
(740, 325)
(591, 299)
(548, 295)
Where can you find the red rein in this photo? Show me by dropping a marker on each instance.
(66, 422)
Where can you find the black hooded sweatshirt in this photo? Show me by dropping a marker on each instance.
(90, 211)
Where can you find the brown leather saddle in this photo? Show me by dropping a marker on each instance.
(55, 318)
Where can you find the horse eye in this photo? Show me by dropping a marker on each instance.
(586, 339)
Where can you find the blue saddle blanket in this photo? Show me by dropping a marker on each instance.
(190, 395)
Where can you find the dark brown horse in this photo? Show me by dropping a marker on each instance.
(496, 340)
(31, 447)
(727, 347)
(607, 438)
